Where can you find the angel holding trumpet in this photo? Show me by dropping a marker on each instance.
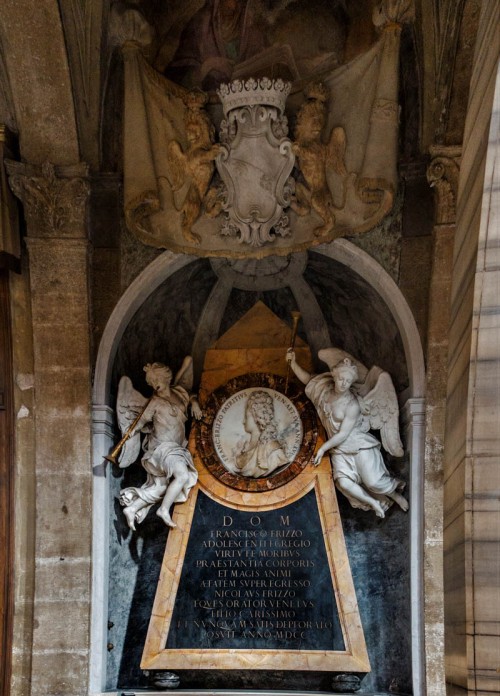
(169, 466)
(349, 404)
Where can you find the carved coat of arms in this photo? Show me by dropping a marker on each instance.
(215, 173)
(255, 160)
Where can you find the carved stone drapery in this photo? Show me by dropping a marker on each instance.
(54, 198)
(442, 175)
(357, 171)
(387, 12)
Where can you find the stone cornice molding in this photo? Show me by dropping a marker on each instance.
(442, 175)
(54, 198)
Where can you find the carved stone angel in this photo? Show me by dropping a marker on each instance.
(348, 409)
(169, 466)
(315, 157)
(193, 168)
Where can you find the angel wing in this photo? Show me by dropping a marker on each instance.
(184, 378)
(336, 151)
(177, 161)
(379, 403)
(129, 404)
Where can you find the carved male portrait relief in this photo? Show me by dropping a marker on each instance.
(256, 432)
(255, 435)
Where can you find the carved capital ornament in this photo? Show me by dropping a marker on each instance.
(442, 175)
(54, 198)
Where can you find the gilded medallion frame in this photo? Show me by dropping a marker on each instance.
(215, 401)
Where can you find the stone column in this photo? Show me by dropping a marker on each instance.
(55, 204)
(442, 175)
(413, 420)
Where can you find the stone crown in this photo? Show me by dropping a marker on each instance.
(254, 92)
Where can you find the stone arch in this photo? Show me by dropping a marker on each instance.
(363, 264)
(340, 250)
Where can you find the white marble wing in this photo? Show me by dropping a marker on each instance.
(129, 404)
(184, 377)
(379, 403)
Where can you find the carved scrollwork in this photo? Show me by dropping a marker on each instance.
(54, 199)
(442, 175)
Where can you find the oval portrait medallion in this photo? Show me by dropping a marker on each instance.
(254, 437)
(256, 432)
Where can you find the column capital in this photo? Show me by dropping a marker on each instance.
(442, 175)
(54, 198)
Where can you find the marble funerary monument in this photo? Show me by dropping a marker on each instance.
(249, 353)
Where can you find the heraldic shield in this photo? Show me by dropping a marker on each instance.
(255, 160)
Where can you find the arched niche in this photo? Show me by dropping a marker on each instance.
(365, 294)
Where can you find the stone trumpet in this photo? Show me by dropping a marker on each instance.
(295, 324)
(112, 456)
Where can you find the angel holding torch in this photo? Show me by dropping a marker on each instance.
(348, 409)
(169, 466)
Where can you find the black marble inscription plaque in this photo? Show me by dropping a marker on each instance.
(256, 581)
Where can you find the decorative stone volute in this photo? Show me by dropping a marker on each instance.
(442, 175)
(54, 198)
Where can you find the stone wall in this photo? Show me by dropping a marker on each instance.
(471, 473)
